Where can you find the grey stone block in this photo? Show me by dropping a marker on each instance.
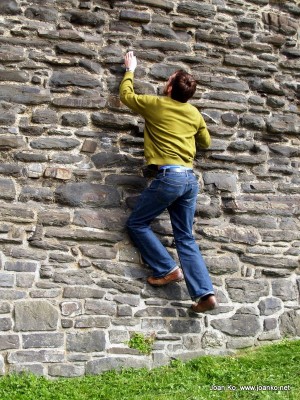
(102, 307)
(122, 285)
(253, 122)
(173, 291)
(118, 336)
(222, 83)
(8, 118)
(24, 94)
(108, 253)
(35, 356)
(30, 157)
(66, 323)
(34, 368)
(66, 370)
(212, 339)
(54, 144)
(124, 311)
(240, 343)
(11, 53)
(196, 9)
(246, 290)
(244, 322)
(289, 323)
(42, 14)
(157, 30)
(107, 120)
(232, 233)
(60, 258)
(44, 116)
(7, 280)
(108, 158)
(86, 342)
(221, 181)
(10, 7)
(73, 278)
(76, 120)
(36, 194)
(25, 280)
(73, 48)
(83, 102)
(82, 292)
(89, 146)
(134, 16)
(159, 359)
(35, 315)
(93, 19)
(92, 322)
(270, 306)
(154, 324)
(163, 71)
(164, 46)
(221, 264)
(87, 194)
(284, 289)
(96, 367)
(71, 308)
(11, 294)
(164, 5)
(284, 124)
(8, 341)
(156, 312)
(14, 76)
(270, 324)
(185, 326)
(133, 301)
(62, 79)
(267, 222)
(9, 142)
(5, 307)
(42, 340)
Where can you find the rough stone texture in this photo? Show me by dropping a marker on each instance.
(72, 287)
(290, 323)
(244, 322)
(87, 342)
(270, 306)
(246, 290)
(36, 315)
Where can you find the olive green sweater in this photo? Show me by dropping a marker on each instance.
(172, 129)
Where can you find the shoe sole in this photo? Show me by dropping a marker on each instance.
(203, 311)
(167, 283)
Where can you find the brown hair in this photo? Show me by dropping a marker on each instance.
(183, 86)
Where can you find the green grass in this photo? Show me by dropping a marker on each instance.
(276, 364)
(139, 342)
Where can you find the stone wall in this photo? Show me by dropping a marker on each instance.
(72, 288)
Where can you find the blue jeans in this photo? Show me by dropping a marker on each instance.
(176, 192)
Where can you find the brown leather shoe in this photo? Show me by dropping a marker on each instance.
(205, 305)
(175, 276)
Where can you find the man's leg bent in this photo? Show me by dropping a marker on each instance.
(153, 252)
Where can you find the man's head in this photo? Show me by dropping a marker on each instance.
(181, 86)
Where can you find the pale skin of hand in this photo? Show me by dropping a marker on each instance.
(130, 61)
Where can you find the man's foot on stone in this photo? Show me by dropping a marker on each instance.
(205, 305)
(174, 276)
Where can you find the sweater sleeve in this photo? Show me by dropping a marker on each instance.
(138, 103)
(202, 136)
